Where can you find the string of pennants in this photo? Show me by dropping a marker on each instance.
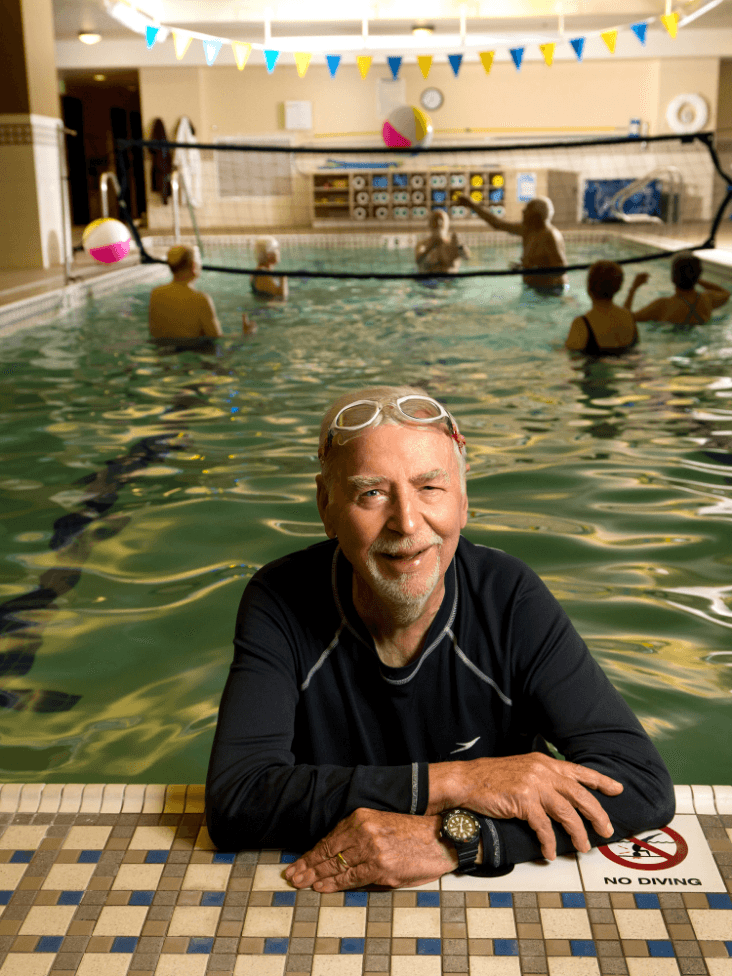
(242, 50)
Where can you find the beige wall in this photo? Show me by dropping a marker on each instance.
(28, 58)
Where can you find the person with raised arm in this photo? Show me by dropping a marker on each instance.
(687, 306)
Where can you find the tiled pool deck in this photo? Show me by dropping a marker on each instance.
(115, 880)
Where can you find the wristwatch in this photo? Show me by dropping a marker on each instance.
(462, 829)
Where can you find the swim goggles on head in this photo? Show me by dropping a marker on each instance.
(414, 407)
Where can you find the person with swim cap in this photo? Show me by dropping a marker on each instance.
(606, 328)
(180, 315)
(686, 306)
(441, 251)
(543, 243)
(267, 252)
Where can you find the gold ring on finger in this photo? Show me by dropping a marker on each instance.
(342, 859)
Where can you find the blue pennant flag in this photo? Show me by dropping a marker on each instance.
(333, 61)
(151, 34)
(271, 58)
(579, 45)
(455, 61)
(394, 66)
(211, 50)
(517, 53)
(640, 31)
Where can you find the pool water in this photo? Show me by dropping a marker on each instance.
(140, 491)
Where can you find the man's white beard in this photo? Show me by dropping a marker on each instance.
(405, 595)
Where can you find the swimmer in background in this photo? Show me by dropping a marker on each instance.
(686, 306)
(607, 327)
(180, 315)
(441, 252)
(267, 252)
(543, 243)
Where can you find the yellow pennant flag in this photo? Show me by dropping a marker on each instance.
(364, 63)
(181, 42)
(302, 60)
(486, 59)
(548, 51)
(670, 22)
(425, 63)
(610, 37)
(241, 53)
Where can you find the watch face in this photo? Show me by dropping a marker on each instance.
(461, 826)
(431, 98)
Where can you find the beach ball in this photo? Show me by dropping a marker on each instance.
(407, 126)
(106, 240)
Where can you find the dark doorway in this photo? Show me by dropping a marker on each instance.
(76, 159)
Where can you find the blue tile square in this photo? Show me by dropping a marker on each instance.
(276, 947)
(211, 898)
(156, 857)
(505, 947)
(646, 900)
(21, 857)
(124, 943)
(582, 947)
(429, 947)
(5, 897)
(201, 944)
(282, 898)
(356, 899)
(49, 943)
(428, 899)
(719, 900)
(89, 857)
(70, 898)
(660, 947)
(501, 899)
(287, 857)
(224, 857)
(352, 946)
(141, 898)
(728, 946)
(573, 899)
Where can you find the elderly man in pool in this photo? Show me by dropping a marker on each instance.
(394, 688)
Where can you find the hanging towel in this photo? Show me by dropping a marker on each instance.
(162, 162)
(188, 162)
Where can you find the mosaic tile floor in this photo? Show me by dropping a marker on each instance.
(122, 880)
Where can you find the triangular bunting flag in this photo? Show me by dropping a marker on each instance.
(211, 50)
(394, 66)
(670, 22)
(640, 31)
(548, 51)
(241, 53)
(455, 61)
(181, 43)
(271, 58)
(425, 63)
(333, 60)
(517, 53)
(364, 63)
(486, 59)
(610, 37)
(302, 61)
(150, 34)
(579, 45)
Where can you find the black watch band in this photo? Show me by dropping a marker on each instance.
(462, 829)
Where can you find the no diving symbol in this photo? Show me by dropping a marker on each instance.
(655, 851)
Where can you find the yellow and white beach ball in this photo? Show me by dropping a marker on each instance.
(407, 126)
(106, 240)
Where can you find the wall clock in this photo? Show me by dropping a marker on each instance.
(431, 98)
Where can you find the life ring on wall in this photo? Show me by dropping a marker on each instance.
(687, 113)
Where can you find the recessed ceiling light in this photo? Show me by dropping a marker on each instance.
(423, 30)
(100, 77)
(90, 38)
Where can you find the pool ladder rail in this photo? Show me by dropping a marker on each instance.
(674, 193)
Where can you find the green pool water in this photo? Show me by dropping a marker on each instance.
(613, 479)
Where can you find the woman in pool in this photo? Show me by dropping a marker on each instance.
(441, 251)
(606, 328)
(686, 306)
(267, 252)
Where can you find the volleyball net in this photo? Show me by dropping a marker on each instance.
(359, 211)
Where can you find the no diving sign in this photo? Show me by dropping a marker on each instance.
(676, 856)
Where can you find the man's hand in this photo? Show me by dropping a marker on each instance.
(394, 849)
(640, 279)
(533, 787)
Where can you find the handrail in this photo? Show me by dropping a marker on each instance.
(615, 205)
(104, 189)
(175, 193)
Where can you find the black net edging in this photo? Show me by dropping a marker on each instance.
(705, 139)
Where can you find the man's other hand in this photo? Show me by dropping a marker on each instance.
(531, 787)
(394, 849)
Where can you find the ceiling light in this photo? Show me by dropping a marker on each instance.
(89, 38)
(100, 77)
(423, 31)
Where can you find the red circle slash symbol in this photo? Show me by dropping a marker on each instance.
(642, 855)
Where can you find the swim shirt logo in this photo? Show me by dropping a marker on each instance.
(462, 746)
